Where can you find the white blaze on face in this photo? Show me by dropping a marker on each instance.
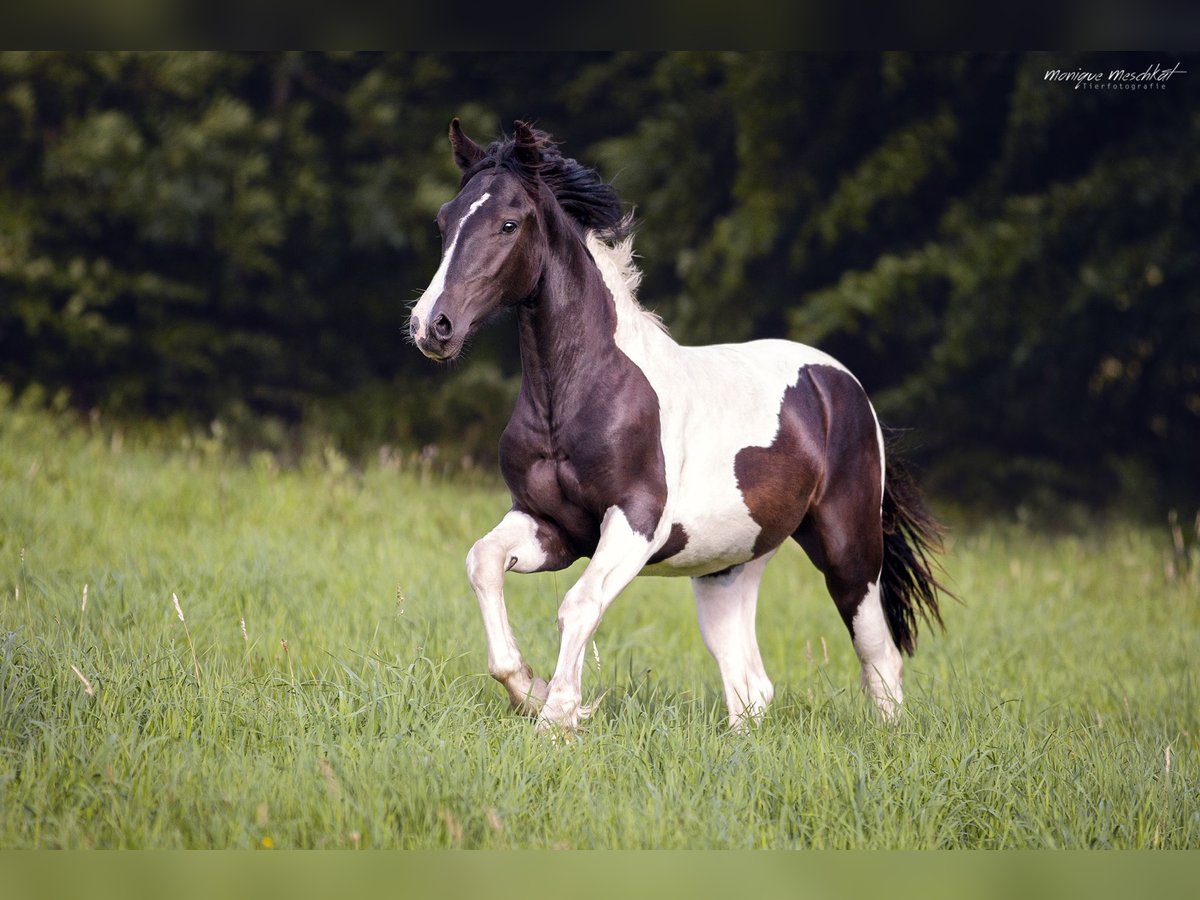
(430, 297)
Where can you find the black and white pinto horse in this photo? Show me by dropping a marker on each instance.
(657, 459)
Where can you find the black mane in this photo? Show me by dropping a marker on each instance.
(586, 197)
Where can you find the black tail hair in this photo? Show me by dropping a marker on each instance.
(911, 537)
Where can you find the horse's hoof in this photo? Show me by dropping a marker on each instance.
(538, 692)
(558, 721)
(530, 701)
(556, 732)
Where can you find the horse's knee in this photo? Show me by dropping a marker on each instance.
(483, 561)
(474, 562)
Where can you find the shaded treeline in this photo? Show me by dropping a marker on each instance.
(1009, 264)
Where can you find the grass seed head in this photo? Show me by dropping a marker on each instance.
(87, 685)
(178, 609)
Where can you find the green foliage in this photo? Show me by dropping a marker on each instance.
(1010, 266)
(1059, 709)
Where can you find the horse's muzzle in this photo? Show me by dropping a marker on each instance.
(436, 341)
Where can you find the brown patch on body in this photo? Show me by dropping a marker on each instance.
(824, 417)
(675, 543)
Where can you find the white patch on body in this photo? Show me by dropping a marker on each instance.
(438, 284)
(714, 401)
(878, 654)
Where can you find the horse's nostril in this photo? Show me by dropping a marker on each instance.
(414, 325)
(441, 327)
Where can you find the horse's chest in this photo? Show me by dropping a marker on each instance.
(546, 481)
(552, 481)
(572, 475)
(558, 473)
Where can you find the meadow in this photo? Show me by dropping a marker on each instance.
(321, 680)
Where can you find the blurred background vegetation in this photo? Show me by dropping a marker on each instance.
(1011, 266)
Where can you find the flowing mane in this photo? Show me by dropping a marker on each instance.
(586, 197)
(614, 259)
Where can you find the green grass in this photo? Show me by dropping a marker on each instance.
(1043, 717)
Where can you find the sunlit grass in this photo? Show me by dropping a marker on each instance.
(322, 683)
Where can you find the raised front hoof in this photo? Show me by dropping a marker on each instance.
(531, 703)
(526, 693)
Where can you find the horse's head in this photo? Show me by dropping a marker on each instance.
(493, 243)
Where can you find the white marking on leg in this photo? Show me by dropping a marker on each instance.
(515, 538)
(430, 297)
(620, 555)
(725, 609)
(880, 659)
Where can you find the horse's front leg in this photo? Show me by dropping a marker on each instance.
(620, 555)
(523, 544)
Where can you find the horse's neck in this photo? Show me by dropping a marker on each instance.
(567, 332)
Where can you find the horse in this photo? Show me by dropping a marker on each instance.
(652, 458)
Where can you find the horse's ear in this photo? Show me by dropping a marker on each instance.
(466, 151)
(528, 146)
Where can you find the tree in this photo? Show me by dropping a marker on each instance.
(1009, 264)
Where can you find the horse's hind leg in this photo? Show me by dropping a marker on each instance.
(725, 607)
(843, 537)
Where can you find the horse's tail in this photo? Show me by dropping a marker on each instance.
(911, 537)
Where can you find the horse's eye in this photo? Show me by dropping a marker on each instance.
(509, 227)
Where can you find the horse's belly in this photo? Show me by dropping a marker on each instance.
(717, 535)
(716, 559)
